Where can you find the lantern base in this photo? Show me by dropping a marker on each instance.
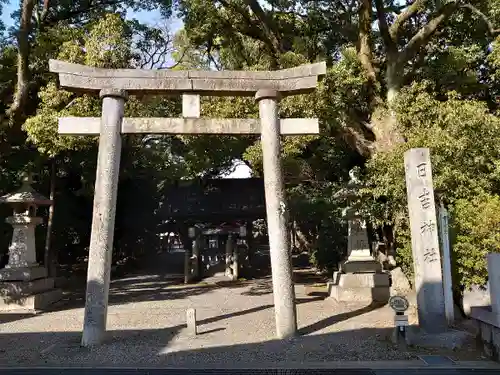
(26, 289)
(22, 273)
(29, 303)
(360, 287)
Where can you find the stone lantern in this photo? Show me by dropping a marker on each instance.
(23, 282)
(360, 277)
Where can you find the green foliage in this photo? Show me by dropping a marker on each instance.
(452, 129)
(450, 88)
(494, 58)
(477, 225)
(318, 223)
(108, 43)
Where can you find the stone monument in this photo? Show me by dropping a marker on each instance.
(24, 284)
(360, 278)
(425, 241)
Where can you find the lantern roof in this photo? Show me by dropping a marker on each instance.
(26, 194)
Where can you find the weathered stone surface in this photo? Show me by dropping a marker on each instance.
(400, 283)
(358, 247)
(364, 280)
(363, 294)
(22, 250)
(476, 296)
(494, 282)
(359, 266)
(154, 125)
(425, 243)
(57, 66)
(31, 303)
(276, 210)
(23, 274)
(290, 81)
(191, 105)
(485, 315)
(23, 288)
(191, 322)
(103, 221)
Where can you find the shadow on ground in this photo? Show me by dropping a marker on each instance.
(220, 342)
(154, 284)
(174, 347)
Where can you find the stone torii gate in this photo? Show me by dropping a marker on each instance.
(113, 86)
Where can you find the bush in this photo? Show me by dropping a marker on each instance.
(463, 138)
(477, 224)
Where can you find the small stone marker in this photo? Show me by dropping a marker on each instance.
(399, 304)
(424, 241)
(191, 322)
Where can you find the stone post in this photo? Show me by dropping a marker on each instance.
(449, 305)
(281, 262)
(196, 257)
(235, 265)
(103, 220)
(250, 244)
(190, 109)
(424, 241)
(494, 282)
(187, 264)
(229, 256)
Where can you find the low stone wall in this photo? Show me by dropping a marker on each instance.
(488, 335)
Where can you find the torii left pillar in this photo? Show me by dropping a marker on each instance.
(103, 217)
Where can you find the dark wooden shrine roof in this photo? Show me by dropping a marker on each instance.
(215, 199)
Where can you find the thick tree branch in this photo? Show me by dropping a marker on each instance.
(422, 37)
(253, 31)
(491, 29)
(384, 28)
(45, 10)
(23, 52)
(404, 16)
(90, 5)
(365, 52)
(267, 23)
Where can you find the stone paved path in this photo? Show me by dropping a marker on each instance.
(146, 328)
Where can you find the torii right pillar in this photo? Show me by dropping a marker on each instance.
(281, 261)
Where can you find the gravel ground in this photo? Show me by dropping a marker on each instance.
(236, 325)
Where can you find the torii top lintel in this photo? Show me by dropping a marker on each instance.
(82, 78)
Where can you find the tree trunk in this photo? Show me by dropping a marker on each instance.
(23, 52)
(365, 45)
(50, 258)
(394, 75)
(384, 120)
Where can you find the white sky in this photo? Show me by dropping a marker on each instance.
(241, 170)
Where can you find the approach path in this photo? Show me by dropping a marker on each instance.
(146, 328)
